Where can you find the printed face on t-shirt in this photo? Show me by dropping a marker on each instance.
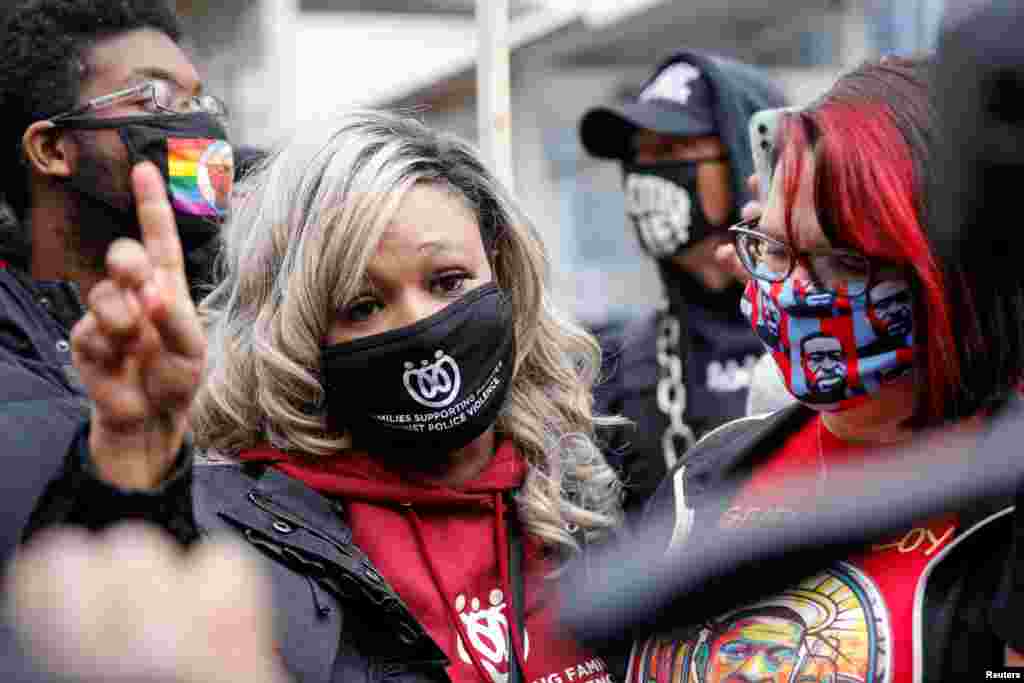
(755, 648)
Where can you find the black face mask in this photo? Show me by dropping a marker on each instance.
(419, 393)
(662, 204)
(195, 158)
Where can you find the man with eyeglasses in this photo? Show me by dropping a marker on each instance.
(90, 88)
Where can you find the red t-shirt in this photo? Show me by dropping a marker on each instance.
(859, 620)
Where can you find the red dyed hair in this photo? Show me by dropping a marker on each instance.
(869, 137)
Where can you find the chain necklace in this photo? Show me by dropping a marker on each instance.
(677, 437)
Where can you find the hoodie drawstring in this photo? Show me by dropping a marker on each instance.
(456, 619)
(506, 584)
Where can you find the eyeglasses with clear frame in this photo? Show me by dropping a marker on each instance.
(771, 260)
(160, 97)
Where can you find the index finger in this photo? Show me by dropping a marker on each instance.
(156, 218)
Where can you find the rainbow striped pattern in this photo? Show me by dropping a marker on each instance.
(200, 175)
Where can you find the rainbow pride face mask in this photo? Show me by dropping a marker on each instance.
(834, 351)
(193, 154)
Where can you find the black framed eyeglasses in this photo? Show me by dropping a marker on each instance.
(771, 260)
(159, 96)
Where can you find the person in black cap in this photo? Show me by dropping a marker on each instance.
(684, 147)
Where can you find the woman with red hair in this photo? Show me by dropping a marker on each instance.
(863, 335)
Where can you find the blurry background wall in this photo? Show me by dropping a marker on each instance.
(280, 63)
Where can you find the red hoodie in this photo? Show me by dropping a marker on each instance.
(445, 552)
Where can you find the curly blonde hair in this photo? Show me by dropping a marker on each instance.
(304, 227)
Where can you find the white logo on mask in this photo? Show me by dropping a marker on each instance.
(431, 380)
(660, 209)
(488, 633)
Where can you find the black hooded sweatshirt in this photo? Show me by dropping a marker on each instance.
(716, 341)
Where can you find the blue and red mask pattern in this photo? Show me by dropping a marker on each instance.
(834, 350)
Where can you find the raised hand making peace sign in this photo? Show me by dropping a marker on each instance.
(140, 349)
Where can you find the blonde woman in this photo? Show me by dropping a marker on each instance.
(398, 418)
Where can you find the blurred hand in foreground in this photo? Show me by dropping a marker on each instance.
(128, 605)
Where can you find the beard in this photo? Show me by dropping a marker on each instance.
(831, 389)
(102, 209)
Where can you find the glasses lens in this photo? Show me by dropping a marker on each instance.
(764, 258)
(163, 96)
(843, 271)
(211, 105)
(166, 98)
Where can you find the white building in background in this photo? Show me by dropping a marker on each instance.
(282, 63)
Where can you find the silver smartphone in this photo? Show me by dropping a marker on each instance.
(764, 126)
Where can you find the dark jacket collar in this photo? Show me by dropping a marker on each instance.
(730, 453)
(726, 458)
(59, 298)
(308, 531)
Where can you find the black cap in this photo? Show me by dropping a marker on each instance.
(676, 100)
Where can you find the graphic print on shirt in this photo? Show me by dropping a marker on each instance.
(731, 375)
(834, 350)
(829, 628)
(488, 630)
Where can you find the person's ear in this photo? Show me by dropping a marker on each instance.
(45, 149)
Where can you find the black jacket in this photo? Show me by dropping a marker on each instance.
(42, 406)
(336, 619)
(965, 608)
(42, 403)
(719, 363)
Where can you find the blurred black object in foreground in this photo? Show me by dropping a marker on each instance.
(635, 587)
(977, 174)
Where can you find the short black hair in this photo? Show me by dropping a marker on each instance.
(42, 45)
